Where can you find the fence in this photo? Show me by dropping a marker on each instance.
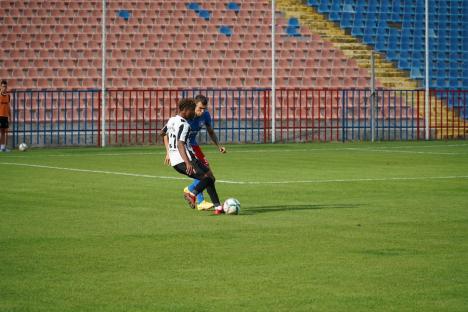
(73, 118)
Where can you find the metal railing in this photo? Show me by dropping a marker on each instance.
(133, 117)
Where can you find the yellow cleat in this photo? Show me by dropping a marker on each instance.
(186, 190)
(204, 205)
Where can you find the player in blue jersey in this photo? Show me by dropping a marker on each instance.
(202, 119)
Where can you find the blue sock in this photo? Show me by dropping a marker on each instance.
(200, 198)
(191, 187)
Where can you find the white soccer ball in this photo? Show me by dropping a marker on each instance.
(231, 206)
(22, 147)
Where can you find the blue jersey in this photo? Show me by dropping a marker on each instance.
(196, 124)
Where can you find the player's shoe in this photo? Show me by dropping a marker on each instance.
(5, 150)
(191, 199)
(186, 190)
(219, 210)
(204, 205)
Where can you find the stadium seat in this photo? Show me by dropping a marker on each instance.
(124, 14)
(225, 30)
(233, 6)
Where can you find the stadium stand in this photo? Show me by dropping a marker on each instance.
(397, 29)
(171, 43)
(165, 44)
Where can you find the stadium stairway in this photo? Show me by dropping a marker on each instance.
(387, 73)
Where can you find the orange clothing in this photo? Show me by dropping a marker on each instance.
(5, 105)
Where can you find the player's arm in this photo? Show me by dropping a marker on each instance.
(9, 109)
(188, 165)
(214, 138)
(163, 134)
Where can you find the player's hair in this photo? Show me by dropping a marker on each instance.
(4, 82)
(201, 98)
(187, 103)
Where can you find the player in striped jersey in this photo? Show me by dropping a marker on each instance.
(182, 158)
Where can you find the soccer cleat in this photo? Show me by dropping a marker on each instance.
(218, 210)
(191, 199)
(204, 205)
(5, 150)
(186, 190)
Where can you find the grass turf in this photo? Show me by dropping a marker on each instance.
(368, 227)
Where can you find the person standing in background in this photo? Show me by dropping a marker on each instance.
(5, 115)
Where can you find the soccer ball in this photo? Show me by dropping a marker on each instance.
(231, 206)
(22, 147)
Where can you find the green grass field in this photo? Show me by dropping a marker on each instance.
(323, 227)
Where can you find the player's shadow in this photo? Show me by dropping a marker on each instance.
(278, 208)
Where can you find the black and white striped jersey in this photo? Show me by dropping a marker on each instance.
(178, 129)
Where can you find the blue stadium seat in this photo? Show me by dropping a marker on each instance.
(465, 71)
(323, 7)
(225, 30)
(292, 31)
(194, 6)
(465, 86)
(334, 16)
(454, 83)
(380, 44)
(205, 14)
(405, 44)
(441, 83)
(347, 20)
(357, 31)
(382, 31)
(294, 22)
(403, 64)
(313, 3)
(124, 14)
(293, 27)
(369, 37)
(335, 6)
(416, 73)
(361, 3)
(348, 8)
(233, 6)
(393, 54)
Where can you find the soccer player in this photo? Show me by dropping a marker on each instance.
(182, 158)
(202, 119)
(5, 115)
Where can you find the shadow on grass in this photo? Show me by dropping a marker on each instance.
(278, 208)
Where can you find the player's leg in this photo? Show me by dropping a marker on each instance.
(199, 174)
(210, 184)
(191, 187)
(202, 204)
(3, 134)
(207, 181)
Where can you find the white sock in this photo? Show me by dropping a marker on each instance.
(2, 146)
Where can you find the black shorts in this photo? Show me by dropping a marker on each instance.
(200, 169)
(4, 124)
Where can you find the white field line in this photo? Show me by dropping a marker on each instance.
(238, 182)
(96, 171)
(405, 152)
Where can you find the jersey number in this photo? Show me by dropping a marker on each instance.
(172, 141)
